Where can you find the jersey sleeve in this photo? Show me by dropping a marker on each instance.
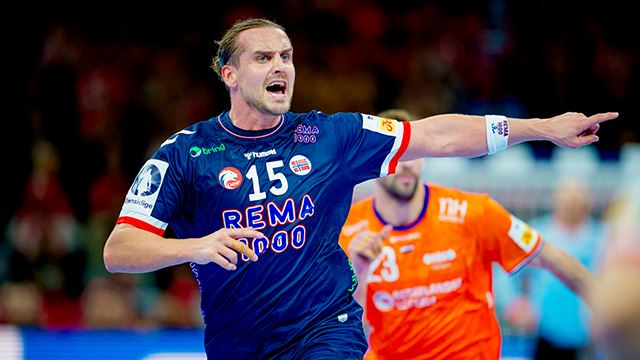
(504, 238)
(156, 194)
(370, 146)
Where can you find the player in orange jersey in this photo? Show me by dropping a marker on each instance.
(423, 255)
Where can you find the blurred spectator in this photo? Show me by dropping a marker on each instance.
(44, 235)
(20, 303)
(107, 304)
(563, 318)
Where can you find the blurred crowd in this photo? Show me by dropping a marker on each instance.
(95, 96)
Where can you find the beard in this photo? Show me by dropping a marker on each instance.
(397, 192)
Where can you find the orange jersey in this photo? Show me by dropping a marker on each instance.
(429, 293)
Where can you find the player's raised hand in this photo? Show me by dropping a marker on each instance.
(573, 130)
(222, 247)
(367, 245)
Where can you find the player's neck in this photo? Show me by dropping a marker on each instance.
(397, 212)
(246, 117)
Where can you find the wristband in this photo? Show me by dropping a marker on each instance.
(497, 128)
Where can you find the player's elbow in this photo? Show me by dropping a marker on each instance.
(110, 257)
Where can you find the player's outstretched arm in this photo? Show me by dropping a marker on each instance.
(566, 268)
(467, 135)
(133, 250)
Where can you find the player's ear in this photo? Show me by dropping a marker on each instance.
(229, 75)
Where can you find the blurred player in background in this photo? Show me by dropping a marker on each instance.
(562, 317)
(260, 180)
(423, 254)
(615, 296)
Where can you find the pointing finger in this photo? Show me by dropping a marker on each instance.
(602, 117)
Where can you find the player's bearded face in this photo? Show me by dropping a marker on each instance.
(403, 184)
(266, 73)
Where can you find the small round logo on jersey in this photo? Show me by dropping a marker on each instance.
(300, 165)
(230, 178)
(383, 301)
(195, 151)
(147, 182)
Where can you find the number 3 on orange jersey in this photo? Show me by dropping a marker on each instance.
(389, 271)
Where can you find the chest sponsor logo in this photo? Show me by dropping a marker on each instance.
(253, 154)
(300, 165)
(452, 210)
(230, 178)
(439, 257)
(414, 297)
(522, 234)
(196, 151)
(351, 230)
(407, 237)
(306, 134)
(144, 191)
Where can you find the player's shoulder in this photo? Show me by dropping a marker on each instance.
(319, 116)
(182, 137)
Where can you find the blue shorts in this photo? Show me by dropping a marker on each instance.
(339, 335)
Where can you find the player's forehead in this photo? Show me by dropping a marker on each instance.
(263, 39)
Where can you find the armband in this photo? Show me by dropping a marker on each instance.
(497, 128)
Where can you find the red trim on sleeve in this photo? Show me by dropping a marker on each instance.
(140, 224)
(406, 136)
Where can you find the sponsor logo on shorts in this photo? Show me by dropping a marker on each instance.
(230, 178)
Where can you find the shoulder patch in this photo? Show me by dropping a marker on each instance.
(143, 193)
(522, 234)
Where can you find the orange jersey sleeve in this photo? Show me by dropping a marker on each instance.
(504, 238)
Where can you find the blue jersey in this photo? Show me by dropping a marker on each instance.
(292, 182)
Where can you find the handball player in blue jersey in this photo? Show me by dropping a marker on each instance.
(257, 197)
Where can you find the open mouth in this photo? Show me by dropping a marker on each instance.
(277, 87)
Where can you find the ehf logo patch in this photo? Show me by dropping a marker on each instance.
(230, 178)
(143, 194)
(148, 181)
(300, 165)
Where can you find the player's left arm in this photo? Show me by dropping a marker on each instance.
(465, 135)
(566, 268)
